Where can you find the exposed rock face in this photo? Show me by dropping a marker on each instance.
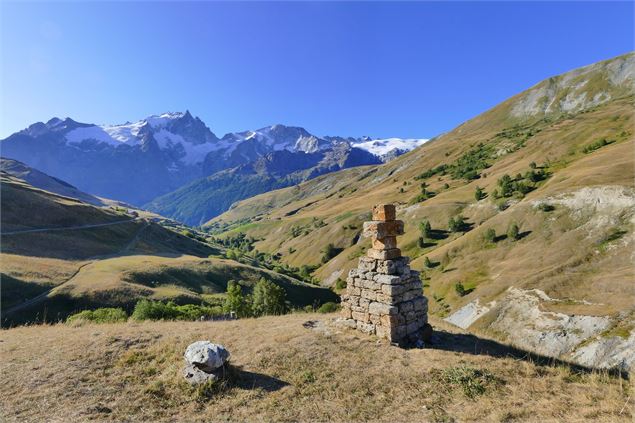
(205, 362)
(384, 296)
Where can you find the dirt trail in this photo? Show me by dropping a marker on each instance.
(124, 250)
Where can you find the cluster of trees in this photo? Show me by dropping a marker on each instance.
(100, 315)
(596, 145)
(470, 164)
(439, 170)
(239, 241)
(513, 233)
(467, 167)
(457, 224)
(158, 310)
(297, 230)
(520, 184)
(267, 298)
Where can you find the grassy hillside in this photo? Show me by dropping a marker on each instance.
(298, 367)
(570, 170)
(70, 256)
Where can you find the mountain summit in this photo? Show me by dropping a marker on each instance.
(138, 161)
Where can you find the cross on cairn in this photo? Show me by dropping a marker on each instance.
(383, 231)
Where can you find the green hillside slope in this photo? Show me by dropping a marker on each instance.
(60, 255)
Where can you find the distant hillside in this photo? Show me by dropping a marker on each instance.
(61, 255)
(556, 160)
(205, 198)
(43, 181)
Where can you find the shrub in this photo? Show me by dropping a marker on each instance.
(489, 235)
(596, 145)
(472, 381)
(340, 284)
(100, 315)
(157, 310)
(268, 298)
(426, 262)
(479, 194)
(546, 207)
(421, 242)
(329, 307)
(513, 232)
(459, 288)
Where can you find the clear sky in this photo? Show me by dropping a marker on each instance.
(412, 69)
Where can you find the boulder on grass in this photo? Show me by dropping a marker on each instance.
(206, 356)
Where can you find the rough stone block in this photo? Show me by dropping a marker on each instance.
(387, 243)
(387, 332)
(380, 230)
(372, 285)
(382, 309)
(374, 319)
(369, 295)
(353, 273)
(405, 307)
(366, 264)
(384, 212)
(354, 291)
(392, 320)
(388, 279)
(360, 317)
(392, 290)
(364, 302)
(346, 312)
(420, 303)
(388, 267)
(384, 254)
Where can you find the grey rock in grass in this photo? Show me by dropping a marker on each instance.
(206, 356)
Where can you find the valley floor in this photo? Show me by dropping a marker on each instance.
(299, 367)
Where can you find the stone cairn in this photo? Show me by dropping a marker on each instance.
(383, 295)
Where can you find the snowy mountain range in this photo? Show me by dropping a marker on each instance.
(139, 161)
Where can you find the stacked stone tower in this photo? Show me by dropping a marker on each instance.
(383, 295)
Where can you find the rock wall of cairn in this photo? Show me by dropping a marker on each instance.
(383, 295)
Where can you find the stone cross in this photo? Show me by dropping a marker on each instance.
(383, 231)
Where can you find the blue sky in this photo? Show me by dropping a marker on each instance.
(412, 69)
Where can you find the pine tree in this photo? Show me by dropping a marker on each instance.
(513, 231)
(235, 301)
(425, 228)
(427, 263)
(479, 194)
(490, 235)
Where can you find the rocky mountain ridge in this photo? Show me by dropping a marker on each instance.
(138, 161)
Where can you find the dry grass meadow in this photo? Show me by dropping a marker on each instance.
(283, 370)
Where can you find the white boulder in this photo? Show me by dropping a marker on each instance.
(206, 356)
